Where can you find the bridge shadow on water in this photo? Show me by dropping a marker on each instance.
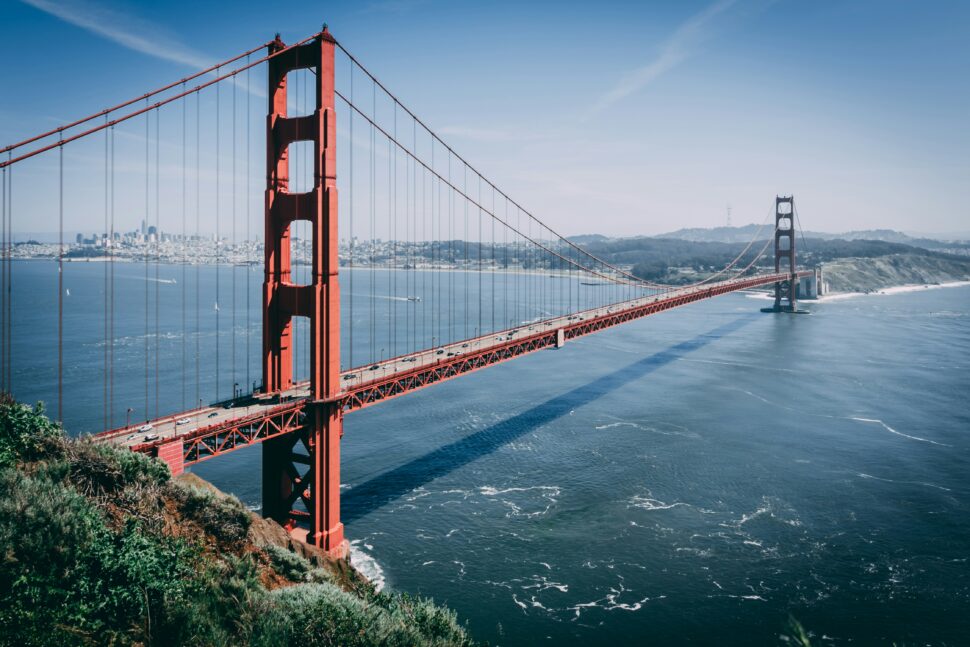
(367, 497)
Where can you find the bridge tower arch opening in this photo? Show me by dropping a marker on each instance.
(301, 472)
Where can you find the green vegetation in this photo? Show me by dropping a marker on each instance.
(676, 261)
(100, 546)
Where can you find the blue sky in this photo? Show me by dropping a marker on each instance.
(620, 118)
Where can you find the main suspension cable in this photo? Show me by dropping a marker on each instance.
(157, 104)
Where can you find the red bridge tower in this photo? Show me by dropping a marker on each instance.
(301, 471)
(786, 292)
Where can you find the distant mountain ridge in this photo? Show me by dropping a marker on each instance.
(744, 233)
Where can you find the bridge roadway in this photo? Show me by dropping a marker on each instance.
(213, 430)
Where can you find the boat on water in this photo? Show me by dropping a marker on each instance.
(414, 298)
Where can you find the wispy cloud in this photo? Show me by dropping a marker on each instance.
(681, 44)
(131, 32)
(125, 30)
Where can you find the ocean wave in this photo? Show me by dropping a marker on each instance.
(923, 483)
(610, 602)
(675, 430)
(770, 509)
(366, 565)
(898, 433)
(549, 493)
(649, 503)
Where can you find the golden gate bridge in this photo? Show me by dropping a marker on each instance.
(425, 231)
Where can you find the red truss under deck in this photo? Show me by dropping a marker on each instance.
(275, 419)
(244, 431)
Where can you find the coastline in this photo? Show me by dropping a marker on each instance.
(896, 289)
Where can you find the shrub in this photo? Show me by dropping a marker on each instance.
(294, 567)
(25, 433)
(42, 525)
(99, 470)
(323, 615)
(223, 517)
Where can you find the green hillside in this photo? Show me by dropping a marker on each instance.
(100, 546)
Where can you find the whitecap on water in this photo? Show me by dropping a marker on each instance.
(898, 433)
(366, 565)
(520, 499)
(649, 503)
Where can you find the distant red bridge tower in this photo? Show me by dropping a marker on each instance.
(786, 292)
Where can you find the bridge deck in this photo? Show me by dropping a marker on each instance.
(213, 430)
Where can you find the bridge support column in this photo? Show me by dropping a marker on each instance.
(317, 488)
(301, 480)
(786, 292)
(280, 479)
(172, 454)
(327, 529)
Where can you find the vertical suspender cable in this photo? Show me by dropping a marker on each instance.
(9, 287)
(158, 242)
(373, 195)
(246, 197)
(464, 247)
(60, 288)
(465, 259)
(391, 199)
(218, 232)
(481, 331)
(451, 255)
(198, 239)
(435, 319)
(145, 222)
(293, 169)
(111, 262)
(104, 242)
(232, 264)
(505, 269)
(351, 216)
(184, 257)
(392, 233)
(491, 267)
(426, 240)
(3, 279)
(409, 311)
